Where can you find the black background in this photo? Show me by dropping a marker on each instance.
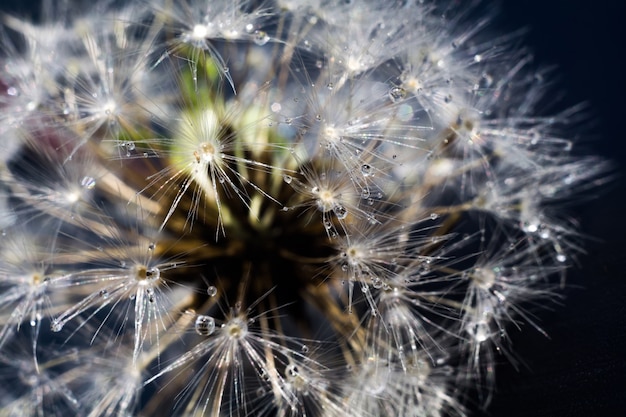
(581, 369)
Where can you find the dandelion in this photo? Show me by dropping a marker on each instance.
(275, 208)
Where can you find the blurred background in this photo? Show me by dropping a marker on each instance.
(581, 369)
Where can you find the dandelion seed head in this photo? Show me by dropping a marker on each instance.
(275, 208)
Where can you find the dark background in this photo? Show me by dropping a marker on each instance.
(581, 370)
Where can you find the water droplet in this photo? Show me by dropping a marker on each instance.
(530, 226)
(330, 86)
(56, 326)
(205, 325)
(340, 211)
(377, 283)
(151, 246)
(104, 294)
(480, 332)
(150, 294)
(88, 182)
(153, 274)
(366, 170)
(305, 349)
(485, 81)
(12, 91)
(287, 179)
(130, 146)
(260, 37)
(448, 98)
(397, 93)
(292, 371)
(561, 257)
(434, 216)
(264, 375)
(211, 291)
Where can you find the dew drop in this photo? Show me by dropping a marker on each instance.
(104, 294)
(480, 332)
(260, 37)
(264, 375)
(340, 211)
(211, 291)
(204, 325)
(397, 93)
(530, 227)
(56, 326)
(287, 179)
(305, 349)
(150, 294)
(330, 86)
(366, 170)
(292, 371)
(486, 81)
(434, 216)
(377, 283)
(151, 246)
(561, 257)
(365, 193)
(153, 273)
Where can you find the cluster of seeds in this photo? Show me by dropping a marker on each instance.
(273, 208)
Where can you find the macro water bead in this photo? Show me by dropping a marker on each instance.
(274, 207)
